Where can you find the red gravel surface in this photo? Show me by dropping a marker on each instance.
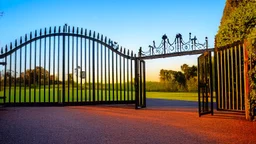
(121, 124)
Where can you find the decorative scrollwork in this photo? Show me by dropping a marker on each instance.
(178, 45)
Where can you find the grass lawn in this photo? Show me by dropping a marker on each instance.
(186, 96)
(75, 95)
(41, 95)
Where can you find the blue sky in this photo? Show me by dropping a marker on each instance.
(132, 23)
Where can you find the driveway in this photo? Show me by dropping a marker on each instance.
(159, 123)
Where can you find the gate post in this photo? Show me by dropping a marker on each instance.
(246, 83)
(136, 83)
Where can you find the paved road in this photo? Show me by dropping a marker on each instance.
(121, 124)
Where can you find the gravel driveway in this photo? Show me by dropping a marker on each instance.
(122, 124)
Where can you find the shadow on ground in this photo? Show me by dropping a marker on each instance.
(170, 103)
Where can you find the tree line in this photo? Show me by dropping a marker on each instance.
(176, 81)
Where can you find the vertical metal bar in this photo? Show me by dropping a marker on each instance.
(131, 76)
(58, 65)
(105, 69)
(117, 77)
(232, 78)
(93, 68)
(30, 58)
(68, 65)
(127, 76)
(120, 72)
(85, 65)
(10, 76)
(225, 79)
(35, 69)
(81, 65)
(199, 85)
(49, 75)
(44, 65)
(217, 77)
(228, 86)
(97, 57)
(141, 96)
(244, 71)
(54, 78)
(15, 71)
(109, 94)
(73, 31)
(20, 72)
(124, 77)
(136, 85)
(63, 65)
(211, 83)
(240, 76)
(144, 84)
(40, 67)
(222, 80)
(101, 68)
(25, 75)
(113, 77)
(205, 77)
(77, 67)
(237, 82)
(5, 77)
(90, 67)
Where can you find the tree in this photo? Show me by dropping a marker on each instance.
(166, 75)
(34, 76)
(177, 80)
(229, 8)
(192, 85)
(189, 72)
(71, 78)
(9, 75)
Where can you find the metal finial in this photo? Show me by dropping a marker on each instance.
(164, 37)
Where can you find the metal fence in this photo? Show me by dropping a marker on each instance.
(229, 62)
(68, 66)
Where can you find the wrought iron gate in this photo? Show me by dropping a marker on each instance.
(205, 84)
(140, 82)
(71, 66)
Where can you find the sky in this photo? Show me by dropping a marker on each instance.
(131, 23)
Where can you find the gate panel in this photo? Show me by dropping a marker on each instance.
(205, 92)
(230, 84)
(68, 66)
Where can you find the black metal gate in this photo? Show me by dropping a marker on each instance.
(70, 66)
(140, 82)
(205, 84)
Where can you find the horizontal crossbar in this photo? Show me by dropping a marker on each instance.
(194, 52)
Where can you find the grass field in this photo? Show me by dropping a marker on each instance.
(41, 95)
(186, 96)
(75, 95)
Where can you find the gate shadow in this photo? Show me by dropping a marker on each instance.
(227, 115)
(173, 105)
(170, 103)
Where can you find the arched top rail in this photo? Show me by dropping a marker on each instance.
(64, 31)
